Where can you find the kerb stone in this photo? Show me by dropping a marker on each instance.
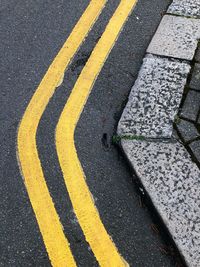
(154, 99)
(176, 37)
(172, 181)
(187, 8)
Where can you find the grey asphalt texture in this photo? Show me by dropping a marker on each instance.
(32, 32)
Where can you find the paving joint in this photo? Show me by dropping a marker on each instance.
(117, 139)
(195, 123)
(163, 108)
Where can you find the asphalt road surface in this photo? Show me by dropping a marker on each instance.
(32, 34)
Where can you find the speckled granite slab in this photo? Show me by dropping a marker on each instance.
(189, 8)
(172, 181)
(155, 98)
(176, 37)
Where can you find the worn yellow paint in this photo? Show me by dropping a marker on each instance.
(51, 229)
(100, 242)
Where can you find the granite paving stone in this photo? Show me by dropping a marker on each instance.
(198, 122)
(197, 55)
(195, 80)
(187, 130)
(155, 98)
(176, 37)
(191, 105)
(185, 8)
(195, 147)
(172, 181)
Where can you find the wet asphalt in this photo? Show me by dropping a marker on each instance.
(32, 32)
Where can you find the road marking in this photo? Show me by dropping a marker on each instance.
(51, 229)
(100, 242)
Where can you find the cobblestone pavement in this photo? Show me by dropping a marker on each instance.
(187, 122)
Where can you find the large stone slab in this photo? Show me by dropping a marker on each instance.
(176, 37)
(155, 98)
(172, 181)
(189, 8)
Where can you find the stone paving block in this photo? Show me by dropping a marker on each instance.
(155, 98)
(187, 130)
(198, 122)
(189, 8)
(176, 37)
(197, 55)
(195, 80)
(172, 181)
(191, 106)
(195, 147)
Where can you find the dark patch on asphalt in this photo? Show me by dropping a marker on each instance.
(79, 62)
(105, 141)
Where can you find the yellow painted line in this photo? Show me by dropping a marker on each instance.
(51, 229)
(100, 242)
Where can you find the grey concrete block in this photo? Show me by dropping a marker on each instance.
(187, 130)
(172, 181)
(195, 80)
(185, 8)
(195, 147)
(154, 99)
(176, 37)
(191, 106)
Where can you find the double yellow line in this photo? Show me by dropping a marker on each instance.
(51, 229)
